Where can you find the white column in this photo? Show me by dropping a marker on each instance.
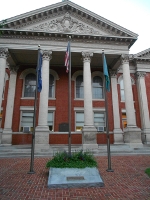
(118, 134)
(89, 131)
(42, 130)
(88, 107)
(132, 132)
(7, 132)
(144, 112)
(3, 57)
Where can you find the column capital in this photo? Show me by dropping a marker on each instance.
(4, 53)
(140, 74)
(47, 55)
(13, 69)
(124, 58)
(113, 73)
(87, 56)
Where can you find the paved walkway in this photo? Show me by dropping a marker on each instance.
(127, 182)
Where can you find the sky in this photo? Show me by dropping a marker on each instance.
(133, 15)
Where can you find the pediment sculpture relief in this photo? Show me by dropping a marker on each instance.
(66, 24)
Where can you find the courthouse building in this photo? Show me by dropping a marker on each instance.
(50, 27)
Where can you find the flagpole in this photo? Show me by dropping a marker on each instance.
(34, 119)
(107, 123)
(69, 104)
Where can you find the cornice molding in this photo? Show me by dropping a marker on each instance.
(41, 35)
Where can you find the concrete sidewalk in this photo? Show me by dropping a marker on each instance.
(127, 182)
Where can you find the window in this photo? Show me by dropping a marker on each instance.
(99, 119)
(97, 87)
(79, 121)
(30, 85)
(79, 87)
(124, 120)
(50, 121)
(27, 121)
(51, 85)
(122, 90)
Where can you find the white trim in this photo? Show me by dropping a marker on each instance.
(26, 108)
(26, 72)
(77, 73)
(51, 108)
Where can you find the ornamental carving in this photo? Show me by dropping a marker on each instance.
(66, 24)
(4, 53)
(13, 69)
(140, 74)
(124, 58)
(87, 56)
(113, 73)
(47, 55)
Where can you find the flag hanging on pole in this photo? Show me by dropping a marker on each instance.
(67, 56)
(105, 71)
(39, 68)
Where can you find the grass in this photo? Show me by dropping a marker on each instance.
(76, 160)
(147, 171)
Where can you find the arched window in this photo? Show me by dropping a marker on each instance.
(51, 86)
(122, 90)
(79, 87)
(30, 85)
(97, 88)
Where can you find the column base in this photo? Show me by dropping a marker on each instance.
(145, 135)
(89, 139)
(6, 138)
(118, 136)
(41, 137)
(7, 130)
(132, 135)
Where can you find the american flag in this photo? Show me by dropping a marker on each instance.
(67, 57)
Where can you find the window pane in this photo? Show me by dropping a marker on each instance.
(79, 121)
(122, 95)
(79, 87)
(99, 119)
(50, 121)
(30, 85)
(27, 119)
(51, 85)
(97, 87)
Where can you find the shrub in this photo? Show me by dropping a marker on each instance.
(147, 171)
(76, 160)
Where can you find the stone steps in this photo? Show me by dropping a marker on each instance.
(25, 150)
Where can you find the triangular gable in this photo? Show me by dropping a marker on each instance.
(38, 18)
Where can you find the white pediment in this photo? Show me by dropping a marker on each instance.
(66, 24)
(54, 18)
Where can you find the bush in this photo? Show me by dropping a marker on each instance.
(147, 171)
(76, 160)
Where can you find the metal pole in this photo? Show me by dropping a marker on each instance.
(34, 120)
(107, 127)
(69, 104)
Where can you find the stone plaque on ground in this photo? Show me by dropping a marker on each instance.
(74, 177)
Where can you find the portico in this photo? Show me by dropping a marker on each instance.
(90, 34)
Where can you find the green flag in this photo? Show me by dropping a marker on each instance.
(105, 71)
